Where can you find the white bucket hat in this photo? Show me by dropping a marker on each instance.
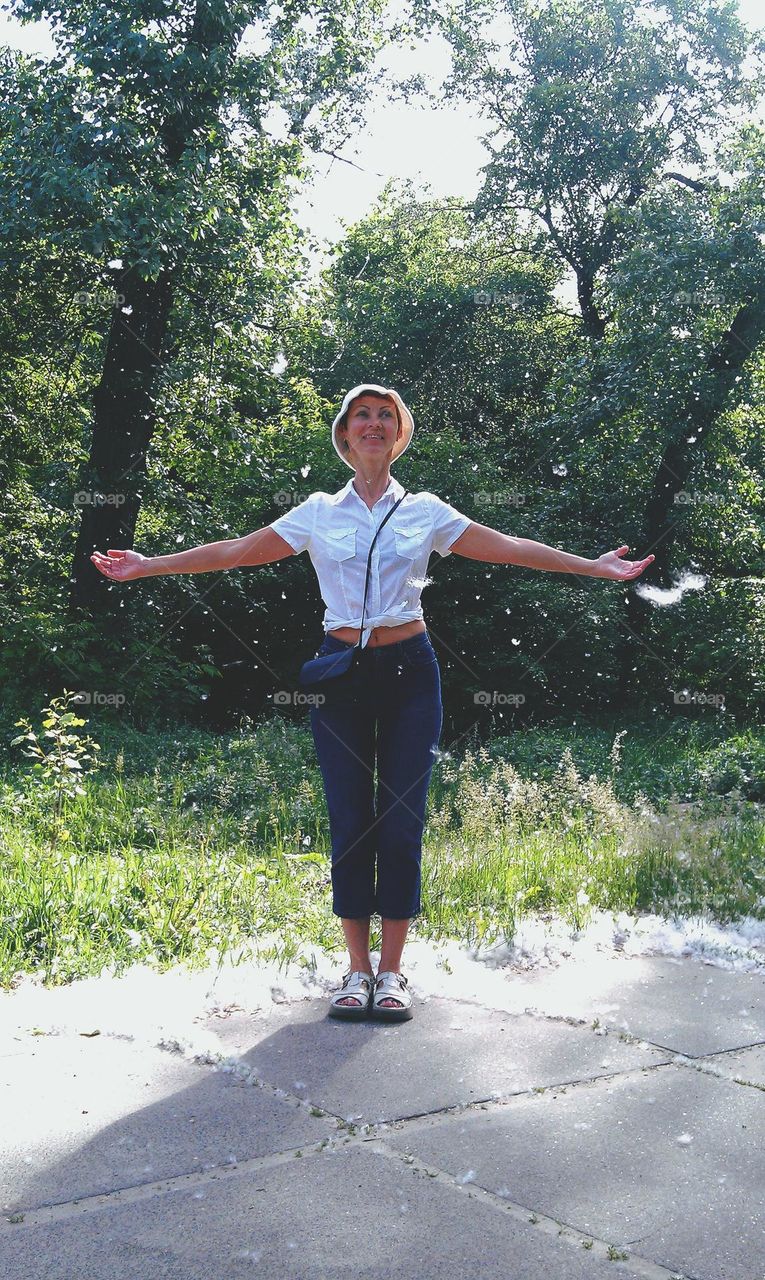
(407, 421)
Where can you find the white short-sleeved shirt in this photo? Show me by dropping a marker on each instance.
(337, 530)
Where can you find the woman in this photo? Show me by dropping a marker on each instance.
(392, 715)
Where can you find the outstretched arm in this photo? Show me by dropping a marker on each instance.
(259, 547)
(479, 542)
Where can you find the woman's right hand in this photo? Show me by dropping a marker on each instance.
(121, 565)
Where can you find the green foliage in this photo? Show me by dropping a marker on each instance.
(575, 95)
(68, 759)
(187, 845)
(529, 417)
(737, 765)
(152, 135)
(533, 430)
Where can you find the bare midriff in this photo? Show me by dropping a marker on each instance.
(382, 635)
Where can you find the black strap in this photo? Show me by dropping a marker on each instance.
(369, 564)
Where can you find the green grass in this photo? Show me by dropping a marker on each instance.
(184, 841)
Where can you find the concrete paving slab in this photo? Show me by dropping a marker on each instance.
(681, 1005)
(744, 1064)
(351, 1215)
(670, 1160)
(84, 1115)
(450, 1053)
(513, 1171)
(12, 1046)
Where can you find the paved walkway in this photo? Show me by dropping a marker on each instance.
(624, 1138)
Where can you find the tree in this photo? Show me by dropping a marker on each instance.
(594, 110)
(588, 103)
(158, 149)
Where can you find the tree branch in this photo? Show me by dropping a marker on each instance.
(693, 183)
(321, 151)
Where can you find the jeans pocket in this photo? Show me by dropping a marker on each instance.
(419, 657)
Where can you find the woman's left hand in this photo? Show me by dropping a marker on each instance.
(609, 565)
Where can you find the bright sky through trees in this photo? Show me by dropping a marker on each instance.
(439, 148)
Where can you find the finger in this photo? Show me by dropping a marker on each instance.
(118, 554)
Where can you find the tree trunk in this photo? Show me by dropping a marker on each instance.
(123, 425)
(125, 417)
(663, 513)
(593, 323)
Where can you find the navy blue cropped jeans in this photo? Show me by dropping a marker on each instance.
(392, 713)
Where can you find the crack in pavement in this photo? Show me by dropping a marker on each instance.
(608, 1251)
(368, 1135)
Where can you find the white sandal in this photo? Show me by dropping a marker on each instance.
(392, 986)
(358, 984)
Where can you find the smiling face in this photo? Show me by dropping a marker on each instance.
(370, 430)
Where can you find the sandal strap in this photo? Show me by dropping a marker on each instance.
(392, 986)
(391, 978)
(358, 975)
(357, 984)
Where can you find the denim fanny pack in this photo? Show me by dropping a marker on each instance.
(331, 665)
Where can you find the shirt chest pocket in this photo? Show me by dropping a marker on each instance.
(340, 544)
(410, 539)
